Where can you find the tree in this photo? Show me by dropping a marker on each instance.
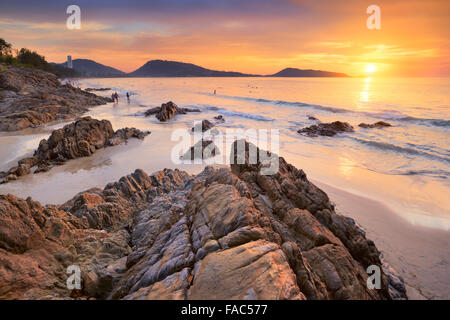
(5, 48)
(32, 58)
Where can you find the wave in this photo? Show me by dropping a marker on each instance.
(385, 115)
(433, 173)
(239, 114)
(398, 116)
(391, 147)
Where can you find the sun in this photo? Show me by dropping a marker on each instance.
(371, 68)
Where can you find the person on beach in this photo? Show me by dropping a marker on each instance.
(116, 96)
(128, 97)
(113, 97)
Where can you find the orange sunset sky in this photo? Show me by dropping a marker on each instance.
(255, 36)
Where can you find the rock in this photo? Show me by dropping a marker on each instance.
(226, 233)
(203, 149)
(122, 135)
(379, 124)
(326, 129)
(205, 125)
(78, 139)
(152, 111)
(220, 118)
(312, 118)
(167, 111)
(242, 270)
(96, 89)
(37, 97)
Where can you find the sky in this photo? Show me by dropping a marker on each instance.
(250, 36)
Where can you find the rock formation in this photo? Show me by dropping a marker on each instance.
(97, 89)
(379, 124)
(78, 139)
(326, 129)
(29, 98)
(167, 111)
(219, 118)
(203, 149)
(227, 233)
(204, 126)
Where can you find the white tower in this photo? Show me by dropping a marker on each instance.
(69, 62)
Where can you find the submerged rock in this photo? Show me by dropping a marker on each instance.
(122, 135)
(219, 118)
(167, 111)
(204, 126)
(223, 234)
(203, 149)
(29, 98)
(379, 124)
(78, 139)
(326, 129)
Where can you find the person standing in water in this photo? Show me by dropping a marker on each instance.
(128, 97)
(116, 96)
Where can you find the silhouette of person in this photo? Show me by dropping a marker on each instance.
(128, 97)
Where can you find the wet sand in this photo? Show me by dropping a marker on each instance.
(421, 255)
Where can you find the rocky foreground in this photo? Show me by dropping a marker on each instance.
(29, 98)
(227, 233)
(81, 138)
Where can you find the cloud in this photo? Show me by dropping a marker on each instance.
(254, 36)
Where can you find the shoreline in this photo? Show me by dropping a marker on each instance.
(409, 249)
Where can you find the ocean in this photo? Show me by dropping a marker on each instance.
(405, 167)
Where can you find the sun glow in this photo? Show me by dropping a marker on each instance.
(371, 68)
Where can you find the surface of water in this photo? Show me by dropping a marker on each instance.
(406, 166)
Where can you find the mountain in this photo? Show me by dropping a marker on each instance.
(293, 72)
(163, 68)
(90, 68)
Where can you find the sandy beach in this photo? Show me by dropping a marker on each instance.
(420, 254)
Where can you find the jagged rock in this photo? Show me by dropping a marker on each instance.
(220, 118)
(312, 118)
(167, 111)
(379, 124)
(326, 129)
(226, 233)
(204, 126)
(203, 149)
(122, 135)
(78, 139)
(36, 97)
(96, 89)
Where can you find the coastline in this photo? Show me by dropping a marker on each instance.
(414, 251)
